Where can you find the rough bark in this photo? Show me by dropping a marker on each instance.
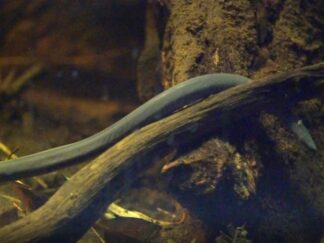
(256, 38)
(81, 200)
(252, 38)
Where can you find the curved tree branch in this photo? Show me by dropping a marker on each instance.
(79, 202)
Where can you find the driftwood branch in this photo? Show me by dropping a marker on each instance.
(79, 202)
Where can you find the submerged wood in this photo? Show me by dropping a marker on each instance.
(70, 212)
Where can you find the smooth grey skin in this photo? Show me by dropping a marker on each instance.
(156, 108)
(298, 127)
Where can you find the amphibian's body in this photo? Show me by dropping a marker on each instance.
(158, 107)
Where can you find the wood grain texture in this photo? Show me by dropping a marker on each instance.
(79, 202)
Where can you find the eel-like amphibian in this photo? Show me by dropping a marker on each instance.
(158, 107)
